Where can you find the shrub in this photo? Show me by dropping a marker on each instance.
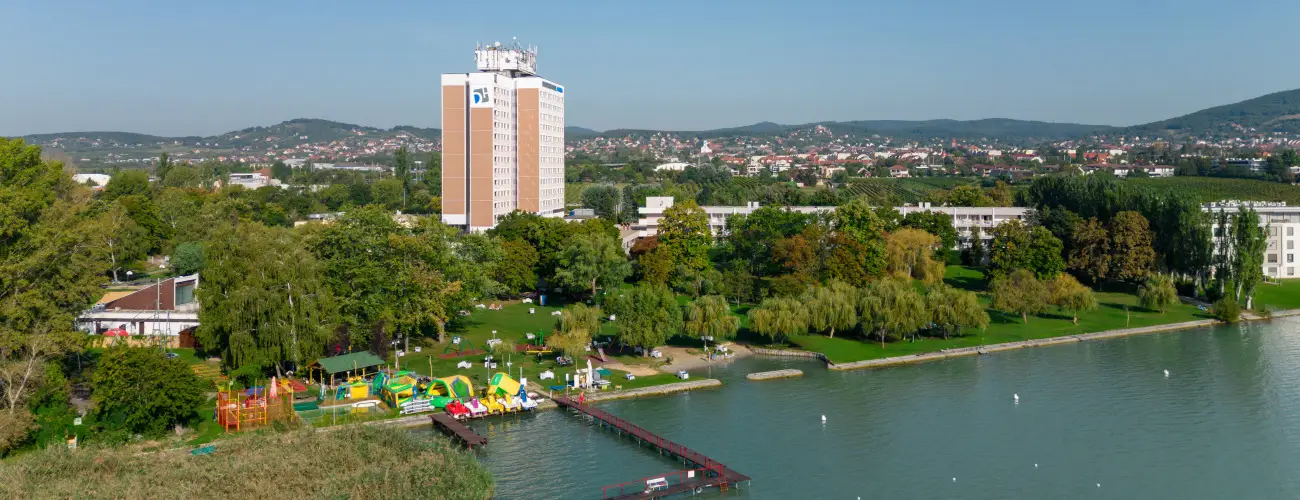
(139, 390)
(1227, 310)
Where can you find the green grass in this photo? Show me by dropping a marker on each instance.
(1285, 295)
(1003, 327)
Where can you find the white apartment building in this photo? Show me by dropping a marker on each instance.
(963, 218)
(1283, 223)
(502, 140)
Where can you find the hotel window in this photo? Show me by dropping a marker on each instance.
(1290, 231)
(1272, 271)
(1272, 258)
(1290, 258)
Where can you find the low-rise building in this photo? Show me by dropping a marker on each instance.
(167, 310)
(1283, 223)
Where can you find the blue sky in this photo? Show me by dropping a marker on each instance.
(205, 67)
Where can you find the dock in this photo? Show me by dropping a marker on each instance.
(705, 472)
(454, 428)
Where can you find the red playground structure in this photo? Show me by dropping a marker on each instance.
(255, 406)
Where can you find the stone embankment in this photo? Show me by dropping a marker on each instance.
(775, 374)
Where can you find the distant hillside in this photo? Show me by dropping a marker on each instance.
(571, 131)
(992, 128)
(105, 138)
(285, 134)
(1274, 112)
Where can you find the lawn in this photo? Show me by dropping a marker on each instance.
(1003, 327)
(1285, 295)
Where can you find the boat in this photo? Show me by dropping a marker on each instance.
(476, 408)
(457, 410)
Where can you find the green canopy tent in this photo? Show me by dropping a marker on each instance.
(353, 363)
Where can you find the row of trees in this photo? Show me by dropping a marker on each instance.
(888, 309)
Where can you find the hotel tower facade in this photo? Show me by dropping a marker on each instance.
(502, 140)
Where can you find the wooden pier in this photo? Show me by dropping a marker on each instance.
(705, 472)
(454, 428)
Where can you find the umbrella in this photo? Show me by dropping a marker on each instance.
(274, 391)
(589, 372)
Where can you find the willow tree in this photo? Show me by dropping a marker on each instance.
(574, 328)
(710, 316)
(778, 318)
(831, 307)
(951, 310)
(910, 255)
(264, 301)
(1020, 293)
(892, 308)
(1068, 294)
(1158, 293)
(646, 315)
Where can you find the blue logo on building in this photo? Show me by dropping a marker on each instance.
(480, 96)
(559, 89)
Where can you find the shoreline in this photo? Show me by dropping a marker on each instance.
(1008, 346)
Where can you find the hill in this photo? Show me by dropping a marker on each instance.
(1004, 129)
(1276, 112)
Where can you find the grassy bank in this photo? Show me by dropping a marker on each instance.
(1110, 315)
(1284, 295)
(364, 462)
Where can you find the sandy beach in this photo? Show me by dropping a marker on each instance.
(683, 360)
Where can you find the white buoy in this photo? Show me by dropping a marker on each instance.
(954, 479)
(1166, 373)
(1035, 466)
(1016, 397)
(823, 418)
(1098, 485)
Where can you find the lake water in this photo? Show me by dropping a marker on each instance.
(1225, 423)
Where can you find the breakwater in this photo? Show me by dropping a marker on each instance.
(775, 374)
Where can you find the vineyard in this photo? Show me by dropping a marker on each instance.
(902, 190)
(1208, 189)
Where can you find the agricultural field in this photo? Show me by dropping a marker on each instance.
(902, 190)
(1208, 189)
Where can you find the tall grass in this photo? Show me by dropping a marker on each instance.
(364, 462)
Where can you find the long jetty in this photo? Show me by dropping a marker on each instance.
(453, 427)
(706, 472)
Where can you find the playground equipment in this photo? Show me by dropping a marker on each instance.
(397, 390)
(255, 406)
(455, 386)
(510, 392)
(460, 346)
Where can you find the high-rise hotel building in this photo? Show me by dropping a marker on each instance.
(502, 140)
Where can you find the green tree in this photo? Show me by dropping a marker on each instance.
(1249, 241)
(140, 391)
(968, 195)
(1009, 249)
(1044, 255)
(892, 308)
(1158, 292)
(1227, 310)
(1019, 293)
(646, 315)
(127, 183)
(684, 234)
(515, 270)
(592, 261)
(951, 310)
(709, 316)
(655, 266)
(1090, 251)
(182, 176)
(279, 171)
(974, 253)
(832, 307)
(936, 223)
(163, 167)
(402, 171)
(1131, 255)
(387, 192)
(51, 267)
(578, 318)
(433, 173)
(188, 258)
(122, 239)
(1067, 293)
(605, 200)
(778, 318)
(264, 301)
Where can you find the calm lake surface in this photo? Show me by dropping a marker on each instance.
(1224, 424)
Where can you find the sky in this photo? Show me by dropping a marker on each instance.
(203, 67)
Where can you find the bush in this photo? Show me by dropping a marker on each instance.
(139, 390)
(188, 258)
(1227, 310)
